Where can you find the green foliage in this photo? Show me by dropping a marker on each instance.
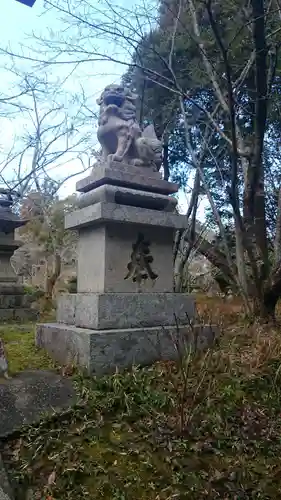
(72, 285)
(33, 291)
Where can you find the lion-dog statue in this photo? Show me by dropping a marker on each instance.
(119, 133)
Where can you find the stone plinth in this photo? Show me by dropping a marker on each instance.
(102, 351)
(125, 310)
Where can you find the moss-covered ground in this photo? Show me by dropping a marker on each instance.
(207, 428)
(21, 351)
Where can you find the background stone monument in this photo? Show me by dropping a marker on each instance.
(124, 310)
(14, 304)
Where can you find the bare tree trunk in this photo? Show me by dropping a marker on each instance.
(52, 279)
(180, 263)
(265, 309)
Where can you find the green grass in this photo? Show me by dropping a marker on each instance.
(208, 429)
(22, 354)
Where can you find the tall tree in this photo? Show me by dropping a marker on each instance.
(235, 89)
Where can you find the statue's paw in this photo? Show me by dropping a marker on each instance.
(137, 162)
(110, 158)
(114, 157)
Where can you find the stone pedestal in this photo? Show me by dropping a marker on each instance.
(125, 310)
(14, 304)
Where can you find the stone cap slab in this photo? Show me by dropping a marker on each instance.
(112, 212)
(129, 197)
(120, 174)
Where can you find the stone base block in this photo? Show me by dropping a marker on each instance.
(124, 310)
(17, 314)
(102, 351)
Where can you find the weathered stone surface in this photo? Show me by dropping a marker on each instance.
(129, 197)
(111, 212)
(64, 343)
(124, 175)
(11, 288)
(124, 310)
(13, 302)
(102, 351)
(105, 252)
(10, 301)
(5, 489)
(66, 308)
(25, 314)
(3, 495)
(17, 314)
(9, 221)
(8, 244)
(6, 314)
(7, 273)
(30, 395)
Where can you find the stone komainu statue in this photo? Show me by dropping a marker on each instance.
(119, 133)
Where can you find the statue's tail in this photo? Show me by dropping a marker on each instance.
(149, 132)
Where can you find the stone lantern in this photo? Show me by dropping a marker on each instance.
(13, 302)
(125, 311)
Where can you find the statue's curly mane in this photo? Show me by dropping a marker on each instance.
(119, 102)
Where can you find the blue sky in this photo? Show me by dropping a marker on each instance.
(17, 20)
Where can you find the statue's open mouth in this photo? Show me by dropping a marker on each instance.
(114, 99)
